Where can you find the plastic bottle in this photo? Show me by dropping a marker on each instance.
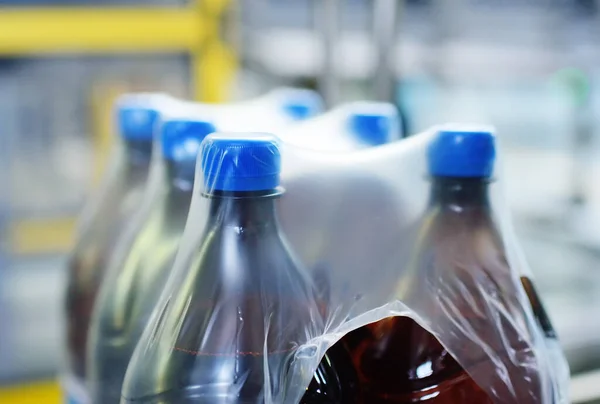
(102, 220)
(108, 215)
(351, 126)
(400, 362)
(242, 305)
(138, 272)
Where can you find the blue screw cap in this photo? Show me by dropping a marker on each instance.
(240, 162)
(181, 138)
(462, 153)
(301, 104)
(373, 129)
(137, 115)
(137, 123)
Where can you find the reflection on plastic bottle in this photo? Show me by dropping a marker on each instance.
(228, 332)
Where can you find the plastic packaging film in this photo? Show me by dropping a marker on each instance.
(145, 250)
(103, 219)
(274, 111)
(125, 216)
(348, 127)
(287, 251)
(145, 253)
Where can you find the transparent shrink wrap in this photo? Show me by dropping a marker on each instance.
(144, 254)
(145, 247)
(274, 111)
(389, 275)
(102, 220)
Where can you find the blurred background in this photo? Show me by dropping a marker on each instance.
(531, 68)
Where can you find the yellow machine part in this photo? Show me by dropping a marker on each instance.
(193, 29)
(93, 30)
(38, 393)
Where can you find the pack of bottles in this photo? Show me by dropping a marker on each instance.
(127, 196)
(317, 262)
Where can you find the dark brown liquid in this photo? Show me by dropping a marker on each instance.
(468, 292)
(80, 299)
(398, 362)
(335, 380)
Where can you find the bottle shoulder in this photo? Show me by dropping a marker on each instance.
(240, 297)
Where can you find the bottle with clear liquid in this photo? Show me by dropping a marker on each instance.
(398, 361)
(236, 316)
(136, 278)
(102, 221)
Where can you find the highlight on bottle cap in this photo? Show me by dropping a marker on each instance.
(137, 115)
(461, 151)
(374, 123)
(240, 162)
(181, 137)
(300, 104)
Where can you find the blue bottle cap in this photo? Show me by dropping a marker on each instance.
(137, 114)
(137, 122)
(462, 153)
(240, 162)
(373, 128)
(301, 104)
(181, 138)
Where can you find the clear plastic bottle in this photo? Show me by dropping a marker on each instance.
(137, 275)
(109, 215)
(102, 221)
(459, 247)
(226, 330)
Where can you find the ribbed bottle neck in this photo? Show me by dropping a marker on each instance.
(461, 192)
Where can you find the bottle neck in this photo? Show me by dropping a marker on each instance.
(248, 210)
(180, 179)
(138, 154)
(457, 192)
(181, 174)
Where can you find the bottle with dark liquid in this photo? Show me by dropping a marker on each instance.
(136, 278)
(101, 223)
(464, 273)
(236, 317)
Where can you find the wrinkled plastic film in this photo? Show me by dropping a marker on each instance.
(117, 196)
(557, 374)
(115, 183)
(144, 253)
(362, 243)
(148, 240)
(124, 268)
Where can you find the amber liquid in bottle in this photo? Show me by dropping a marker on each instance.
(399, 362)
